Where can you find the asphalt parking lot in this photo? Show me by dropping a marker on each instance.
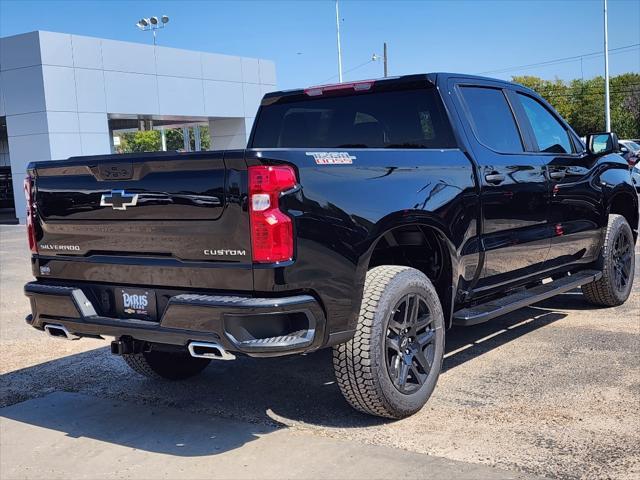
(552, 390)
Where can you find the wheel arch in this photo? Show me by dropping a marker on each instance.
(398, 240)
(625, 203)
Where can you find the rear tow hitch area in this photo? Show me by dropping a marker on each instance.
(126, 346)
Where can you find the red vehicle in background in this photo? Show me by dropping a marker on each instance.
(630, 150)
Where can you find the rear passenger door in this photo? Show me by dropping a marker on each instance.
(513, 187)
(576, 209)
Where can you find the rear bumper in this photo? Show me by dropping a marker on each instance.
(254, 326)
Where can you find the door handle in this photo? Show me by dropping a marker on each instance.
(557, 175)
(494, 178)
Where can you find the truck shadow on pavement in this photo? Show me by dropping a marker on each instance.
(142, 427)
(264, 394)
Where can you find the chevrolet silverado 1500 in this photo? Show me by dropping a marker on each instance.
(368, 217)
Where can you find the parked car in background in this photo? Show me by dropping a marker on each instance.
(635, 176)
(630, 150)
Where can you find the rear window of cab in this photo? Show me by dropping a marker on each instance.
(388, 119)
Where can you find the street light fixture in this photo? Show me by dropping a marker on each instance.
(152, 25)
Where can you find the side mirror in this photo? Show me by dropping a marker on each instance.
(602, 143)
(624, 149)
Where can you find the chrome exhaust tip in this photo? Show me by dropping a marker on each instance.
(59, 331)
(209, 350)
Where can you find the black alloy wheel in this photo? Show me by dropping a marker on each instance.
(410, 343)
(617, 263)
(622, 256)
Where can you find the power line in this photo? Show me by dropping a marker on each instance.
(632, 47)
(347, 71)
(624, 49)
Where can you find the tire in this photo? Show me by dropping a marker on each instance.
(368, 368)
(157, 364)
(617, 261)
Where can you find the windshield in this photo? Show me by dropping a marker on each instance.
(633, 146)
(392, 119)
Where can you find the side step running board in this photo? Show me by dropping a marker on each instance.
(495, 308)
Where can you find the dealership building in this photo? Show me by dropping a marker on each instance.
(65, 95)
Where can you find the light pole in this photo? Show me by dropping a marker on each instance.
(607, 104)
(338, 42)
(152, 25)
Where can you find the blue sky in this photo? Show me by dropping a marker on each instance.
(461, 36)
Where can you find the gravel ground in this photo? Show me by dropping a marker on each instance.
(551, 390)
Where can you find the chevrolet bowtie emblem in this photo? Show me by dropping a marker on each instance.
(119, 200)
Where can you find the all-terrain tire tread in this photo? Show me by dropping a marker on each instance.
(601, 292)
(165, 365)
(139, 364)
(351, 360)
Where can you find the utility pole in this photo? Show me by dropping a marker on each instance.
(375, 57)
(385, 57)
(338, 41)
(607, 105)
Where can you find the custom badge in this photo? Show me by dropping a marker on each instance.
(332, 158)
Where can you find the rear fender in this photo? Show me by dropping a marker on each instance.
(412, 218)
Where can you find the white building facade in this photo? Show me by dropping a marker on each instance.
(61, 94)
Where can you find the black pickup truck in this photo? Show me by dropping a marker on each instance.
(369, 217)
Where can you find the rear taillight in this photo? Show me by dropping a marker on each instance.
(31, 233)
(271, 229)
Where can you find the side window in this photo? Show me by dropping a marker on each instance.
(492, 119)
(549, 132)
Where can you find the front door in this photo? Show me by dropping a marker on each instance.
(576, 210)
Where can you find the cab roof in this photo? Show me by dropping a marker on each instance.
(378, 84)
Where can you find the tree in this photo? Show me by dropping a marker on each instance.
(175, 140)
(581, 102)
(151, 140)
(141, 141)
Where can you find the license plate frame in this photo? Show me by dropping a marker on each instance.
(138, 303)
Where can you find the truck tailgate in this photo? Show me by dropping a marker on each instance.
(186, 209)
